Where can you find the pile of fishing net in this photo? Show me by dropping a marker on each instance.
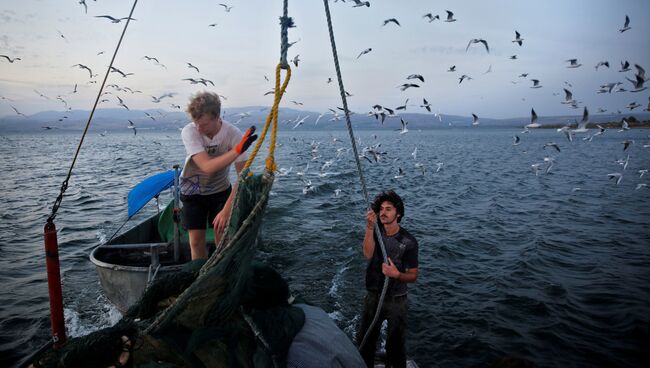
(227, 311)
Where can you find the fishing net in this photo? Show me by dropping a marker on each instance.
(227, 311)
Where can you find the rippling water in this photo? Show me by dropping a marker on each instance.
(510, 263)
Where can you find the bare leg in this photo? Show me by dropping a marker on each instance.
(197, 244)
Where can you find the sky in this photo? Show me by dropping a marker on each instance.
(244, 47)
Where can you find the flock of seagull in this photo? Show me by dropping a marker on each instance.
(380, 112)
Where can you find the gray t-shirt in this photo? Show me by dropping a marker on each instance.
(402, 249)
(193, 180)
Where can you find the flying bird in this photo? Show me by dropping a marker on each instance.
(452, 68)
(132, 126)
(226, 7)
(477, 40)
(535, 83)
(533, 120)
(625, 66)
(359, 3)
(115, 70)
(114, 20)
(406, 86)
(552, 144)
(10, 59)
(189, 65)
(363, 52)
(427, 105)
(602, 63)
(626, 26)
(416, 76)
(81, 66)
(431, 17)
(617, 176)
(403, 107)
(568, 97)
(295, 60)
(463, 77)
(450, 16)
(391, 20)
(475, 121)
(518, 38)
(626, 143)
(573, 63)
(517, 140)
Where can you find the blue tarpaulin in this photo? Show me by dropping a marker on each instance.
(147, 189)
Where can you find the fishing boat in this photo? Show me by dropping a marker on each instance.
(129, 262)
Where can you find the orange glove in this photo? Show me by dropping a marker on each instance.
(246, 140)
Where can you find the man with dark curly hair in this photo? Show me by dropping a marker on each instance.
(401, 269)
(211, 144)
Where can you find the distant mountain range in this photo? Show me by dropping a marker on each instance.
(160, 120)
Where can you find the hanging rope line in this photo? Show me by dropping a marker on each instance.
(286, 22)
(359, 170)
(64, 185)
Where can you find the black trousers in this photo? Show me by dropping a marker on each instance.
(394, 311)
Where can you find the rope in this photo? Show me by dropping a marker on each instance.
(64, 185)
(286, 22)
(359, 170)
(272, 117)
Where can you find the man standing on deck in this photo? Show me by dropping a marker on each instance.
(211, 145)
(402, 268)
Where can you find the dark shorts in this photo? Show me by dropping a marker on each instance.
(200, 210)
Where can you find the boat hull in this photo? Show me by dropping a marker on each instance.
(129, 261)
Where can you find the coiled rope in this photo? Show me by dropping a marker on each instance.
(64, 185)
(356, 157)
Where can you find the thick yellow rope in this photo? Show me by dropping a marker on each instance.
(272, 118)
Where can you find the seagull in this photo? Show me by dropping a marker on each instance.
(403, 107)
(573, 63)
(518, 38)
(427, 105)
(477, 40)
(600, 131)
(462, 77)
(632, 105)
(618, 177)
(362, 52)
(359, 3)
(626, 143)
(552, 144)
(121, 103)
(535, 83)
(582, 126)
(533, 120)
(406, 86)
(158, 99)
(475, 121)
(114, 20)
(523, 75)
(550, 161)
(17, 112)
(420, 166)
(642, 172)
(226, 7)
(132, 126)
(296, 60)
(431, 17)
(415, 153)
(115, 70)
(81, 66)
(625, 66)
(10, 59)
(624, 125)
(404, 129)
(625, 162)
(189, 65)
(450, 16)
(391, 20)
(489, 70)
(300, 122)
(517, 140)
(452, 68)
(513, 57)
(439, 164)
(416, 76)
(626, 26)
(400, 173)
(602, 63)
(568, 97)
(638, 83)
(641, 185)
(83, 2)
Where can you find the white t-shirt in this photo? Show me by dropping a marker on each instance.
(195, 181)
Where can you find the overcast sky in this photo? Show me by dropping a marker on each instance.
(243, 48)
